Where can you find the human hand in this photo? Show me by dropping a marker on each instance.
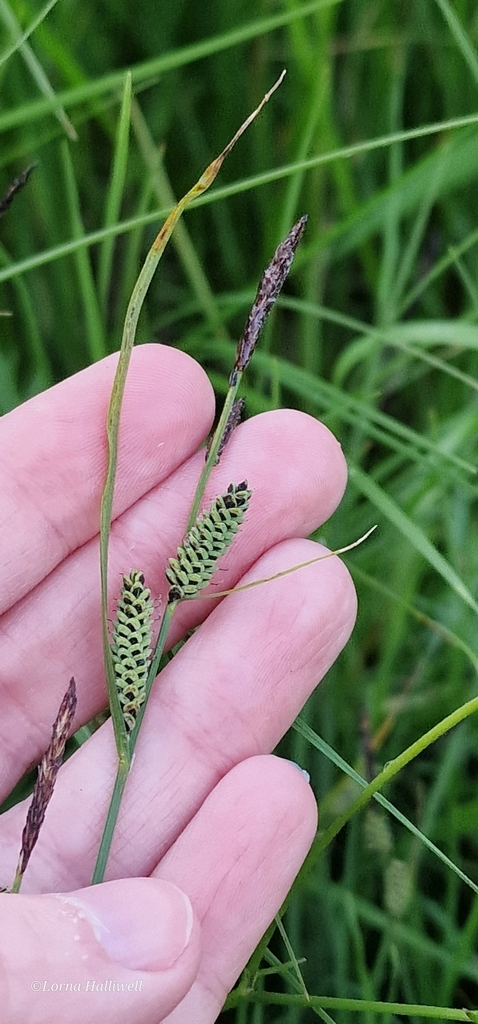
(207, 811)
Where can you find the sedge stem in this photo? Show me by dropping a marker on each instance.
(212, 454)
(111, 819)
(124, 763)
(153, 671)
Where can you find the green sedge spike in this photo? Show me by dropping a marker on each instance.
(131, 645)
(206, 541)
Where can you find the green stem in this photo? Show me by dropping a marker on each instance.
(17, 881)
(366, 1006)
(124, 763)
(211, 459)
(111, 819)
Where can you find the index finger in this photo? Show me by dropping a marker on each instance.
(53, 456)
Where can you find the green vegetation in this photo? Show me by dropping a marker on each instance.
(374, 134)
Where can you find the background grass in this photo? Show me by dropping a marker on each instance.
(374, 134)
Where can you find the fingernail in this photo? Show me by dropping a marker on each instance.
(299, 769)
(141, 923)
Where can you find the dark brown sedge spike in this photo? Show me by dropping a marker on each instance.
(270, 285)
(233, 420)
(131, 645)
(15, 187)
(46, 778)
(207, 540)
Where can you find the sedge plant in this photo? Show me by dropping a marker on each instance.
(400, 488)
(130, 676)
(131, 659)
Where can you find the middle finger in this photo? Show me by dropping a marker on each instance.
(230, 693)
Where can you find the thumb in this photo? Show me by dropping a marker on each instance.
(126, 951)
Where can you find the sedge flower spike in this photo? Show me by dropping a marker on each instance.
(207, 540)
(131, 645)
(270, 285)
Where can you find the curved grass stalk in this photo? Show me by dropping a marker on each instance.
(370, 791)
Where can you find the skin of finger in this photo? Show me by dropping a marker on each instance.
(53, 456)
(67, 641)
(53, 968)
(265, 815)
(231, 692)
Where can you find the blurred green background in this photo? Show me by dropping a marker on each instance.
(374, 134)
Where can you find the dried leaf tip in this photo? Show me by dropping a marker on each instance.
(271, 284)
(245, 125)
(47, 773)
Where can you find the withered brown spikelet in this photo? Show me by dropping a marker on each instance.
(270, 285)
(47, 773)
(233, 421)
(206, 541)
